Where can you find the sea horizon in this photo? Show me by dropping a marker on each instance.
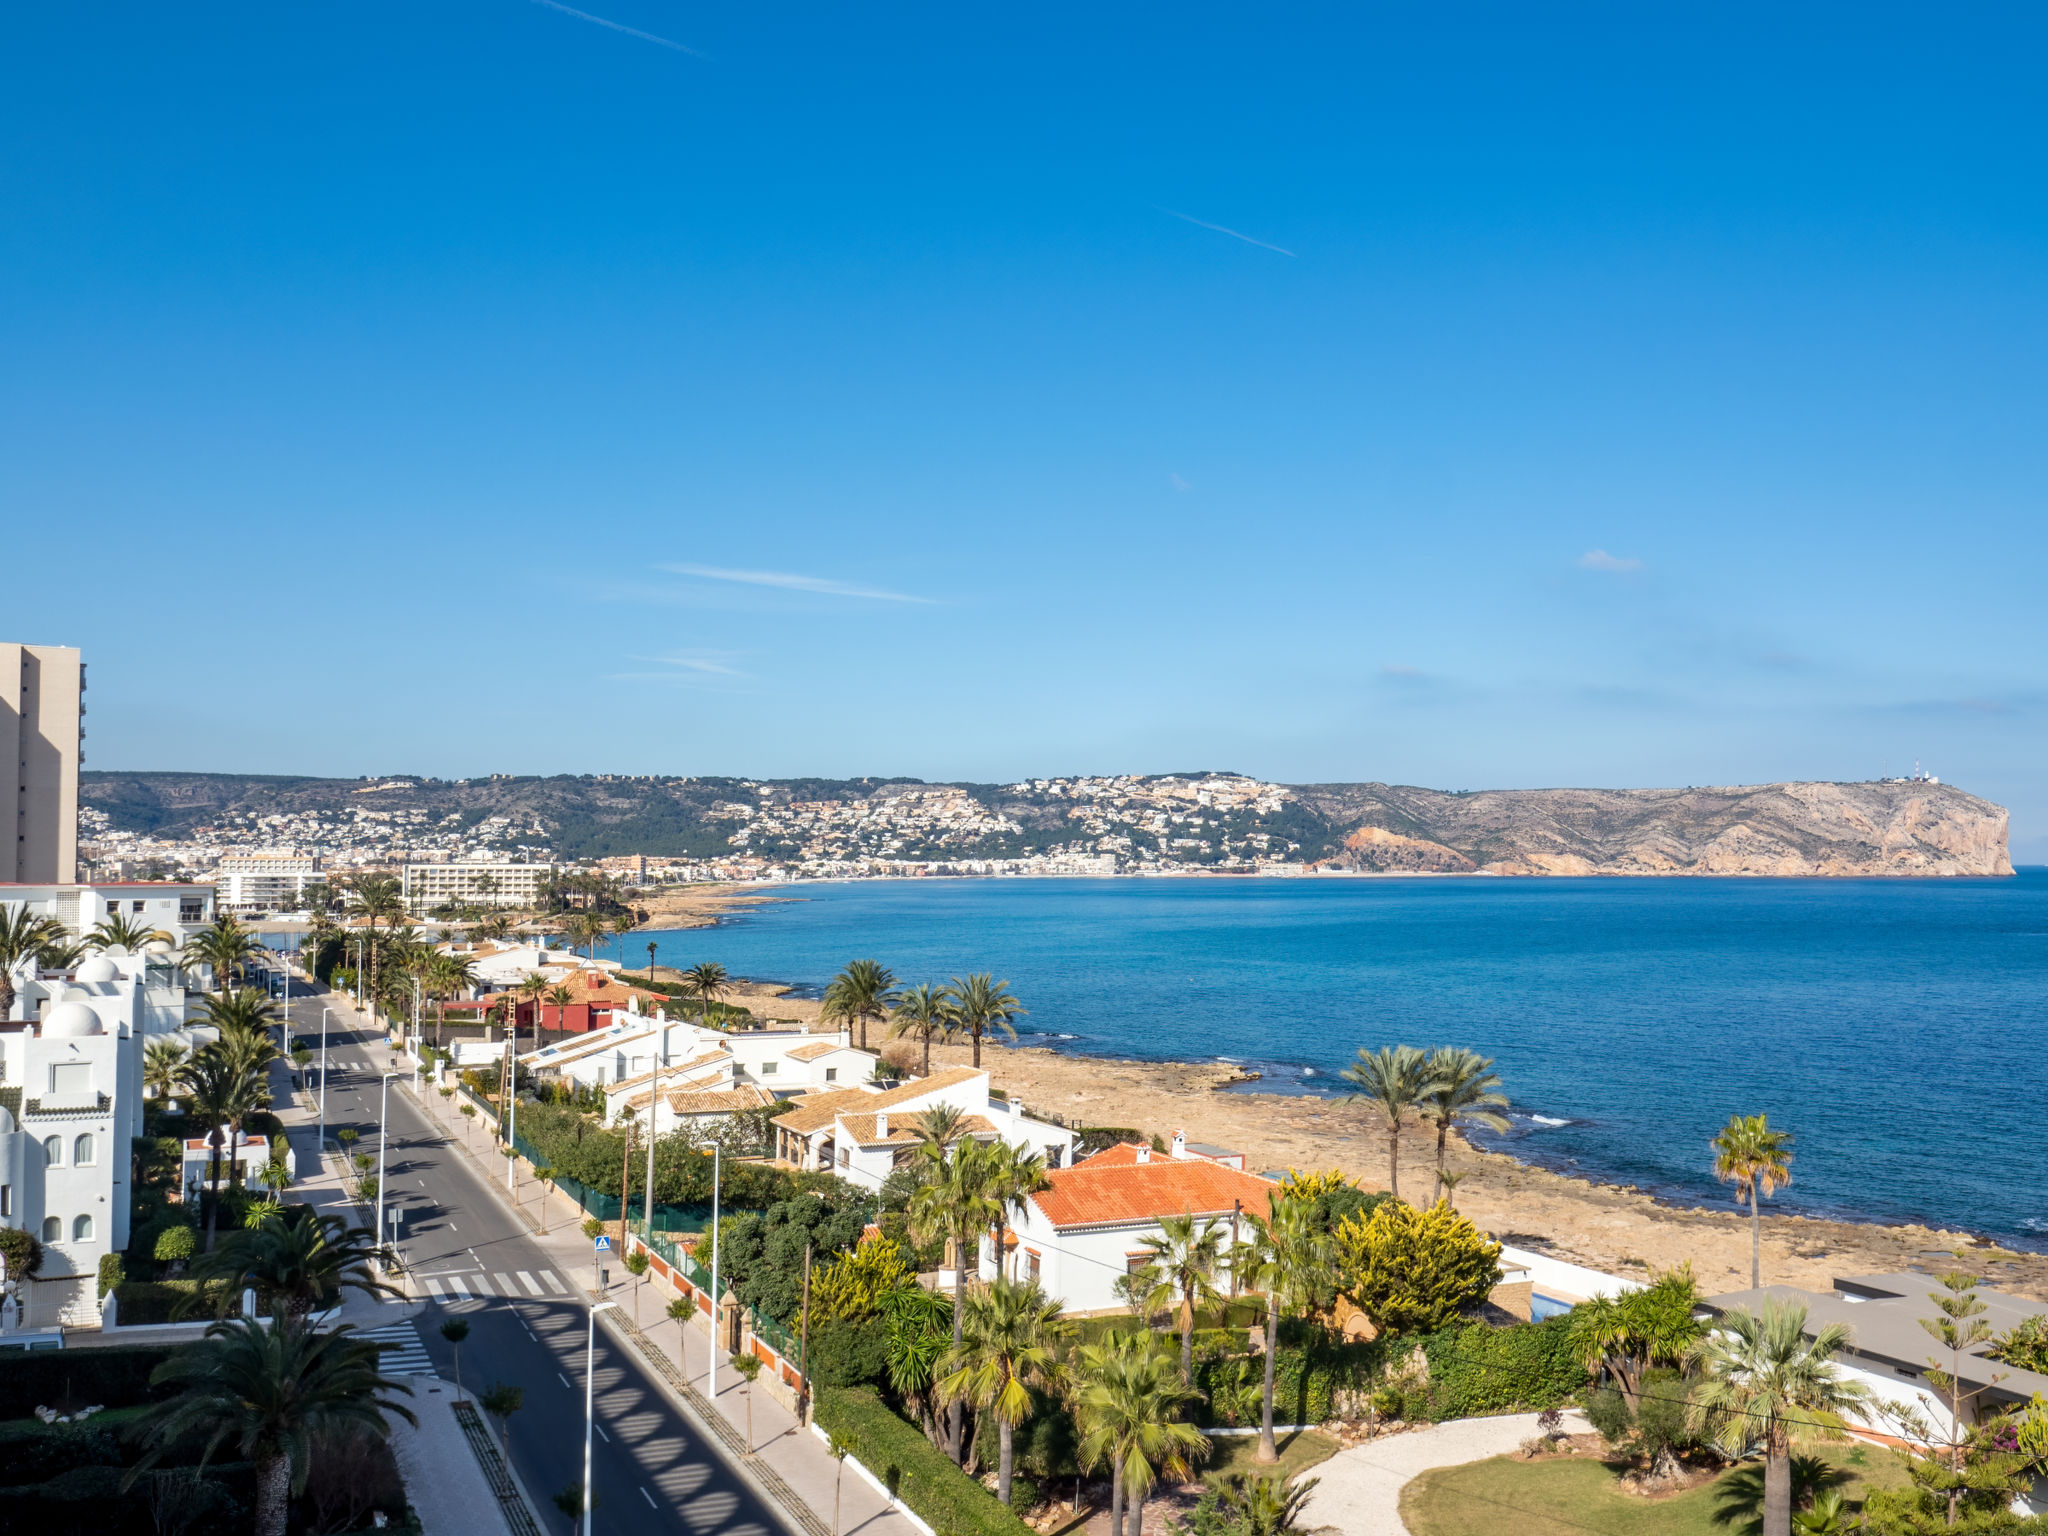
(1628, 1015)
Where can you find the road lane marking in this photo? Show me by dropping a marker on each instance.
(527, 1280)
(455, 1284)
(553, 1284)
(434, 1286)
(649, 1498)
(600, 1429)
(563, 1380)
(505, 1284)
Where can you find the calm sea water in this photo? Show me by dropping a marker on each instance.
(1899, 1029)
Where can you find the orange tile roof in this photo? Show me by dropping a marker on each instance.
(816, 1111)
(1087, 1195)
(813, 1051)
(1122, 1155)
(721, 1101)
(861, 1129)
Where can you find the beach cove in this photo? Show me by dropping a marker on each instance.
(1627, 1024)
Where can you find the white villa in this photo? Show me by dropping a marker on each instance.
(862, 1133)
(1085, 1233)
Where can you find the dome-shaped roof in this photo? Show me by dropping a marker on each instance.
(6, 1122)
(97, 968)
(157, 947)
(73, 995)
(69, 1021)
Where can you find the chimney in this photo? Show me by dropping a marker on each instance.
(1180, 1144)
(881, 1125)
(1144, 1154)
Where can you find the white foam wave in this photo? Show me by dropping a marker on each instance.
(1547, 1120)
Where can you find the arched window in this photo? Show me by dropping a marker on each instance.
(53, 1151)
(82, 1151)
(81, 1230)
(53, 1229)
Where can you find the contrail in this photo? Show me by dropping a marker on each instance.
(649, 37)
(1203, 223)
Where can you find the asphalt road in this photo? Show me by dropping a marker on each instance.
(653, 1473)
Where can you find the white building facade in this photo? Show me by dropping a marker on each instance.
(475, 883)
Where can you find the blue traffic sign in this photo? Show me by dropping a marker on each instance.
(604, 1244)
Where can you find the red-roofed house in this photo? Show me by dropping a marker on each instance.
(1087, 1231)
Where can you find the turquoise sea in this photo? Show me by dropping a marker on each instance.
(1898, 1028)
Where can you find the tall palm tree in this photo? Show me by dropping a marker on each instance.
(865, 990)
(249, 1053)
(117, 931)
(221, 946)
(559, 998)
(534, 989)
(1012, 1176)
(1394, 1078)
(1756, 1160)
(272, 1391)
(707, 983)
(246, 1009)
(61, 954)
(450, 976)
(1288, 1258)
(938, 1125)
(295, 1258)
(954, 1204)
(1184, 1257)
(23, 936)
(218, 1092)
(1463, 1089)
(163, 1070)
(372, 900)
(982, 1006)
(1128, 1411)
(1008, 1345)
(1761, 1378)
(925, 1011)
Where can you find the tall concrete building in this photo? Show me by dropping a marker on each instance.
(42, 713)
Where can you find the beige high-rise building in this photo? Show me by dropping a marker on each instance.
(42, 715)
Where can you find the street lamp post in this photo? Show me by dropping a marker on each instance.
(383, 1103)
(590, 1405)
(323, 1082)
(714, 1272)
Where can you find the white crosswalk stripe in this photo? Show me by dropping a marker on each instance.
(553, 1284)
(455, 1284)
(506, 1286)
(527, 1280)
(434, 1288)
(403, 1355)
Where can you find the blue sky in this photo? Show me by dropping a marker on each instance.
(1464, 396)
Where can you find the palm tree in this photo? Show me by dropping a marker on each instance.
(954, 1204)
(246, 1010)
(374, 899)
(865, 990)
(1756, 1160)
(62, 954)
(248, 1053)
(1761, 1378)
(1395, 1078)
(1012, 1176)
(1128, 1411)
(449, 976)
(1462, 1090)
(23, 936)
(1288, 1258)
(558, 997)
(707, 983)
(116, 931)
(163, 1070)
(1008, 1345)
(924, 1011)
(272, 1392)
(297, 1258)
(221, 946)
(219, 1092)
(982, 1006)
(586, 929)
(1184, 1258)
(938, 1125)
(534, 988)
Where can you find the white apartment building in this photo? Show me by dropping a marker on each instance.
(70, 1100)
(862, 1133)
(42, 731)
(477, 883)
(264, 882)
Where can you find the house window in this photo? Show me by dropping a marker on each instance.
(71, 1077)
(191, 909)
(768, 1069)
(81, 1230)
(845, 1157)
(53, 1229)
(53, 1151)
(137, 909)
(831, 1074)
(82, 1152)
(6, 1200)
(1133, 1262)
(1030, 1265)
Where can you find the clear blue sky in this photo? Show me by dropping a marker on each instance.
(1586, 395)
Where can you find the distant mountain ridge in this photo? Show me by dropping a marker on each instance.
(1136, 823)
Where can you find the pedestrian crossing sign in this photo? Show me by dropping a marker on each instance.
(604, 1244)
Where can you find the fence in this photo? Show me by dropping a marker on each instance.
(685, 1269)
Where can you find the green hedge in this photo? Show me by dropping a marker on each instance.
(914, 1469)
(113, 1378)
(1475, 1369)
(157, 1301)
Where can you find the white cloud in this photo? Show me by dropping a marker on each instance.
(789, 581)
(1600, 560)
(1178, 484)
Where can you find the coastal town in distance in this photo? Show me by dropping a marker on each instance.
(1089, 771)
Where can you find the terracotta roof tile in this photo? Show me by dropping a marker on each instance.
(1087, 1195)
(726, 1101)
(816, 1049)
(861, 1129)
(816, 1111)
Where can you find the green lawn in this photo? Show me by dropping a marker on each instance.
(1233, 1453)
(1571, 1497)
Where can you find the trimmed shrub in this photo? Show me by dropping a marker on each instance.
(1477, 1370)
(23, 1253)
(72, 1378)
(33, 1452)
(911, 1467)
(157, 1301)
(845, 1354)
(112, 1272)
(175, 1245)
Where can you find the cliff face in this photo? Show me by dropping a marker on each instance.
(1764, 829)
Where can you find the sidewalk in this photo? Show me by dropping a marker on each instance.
(787, 1459)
